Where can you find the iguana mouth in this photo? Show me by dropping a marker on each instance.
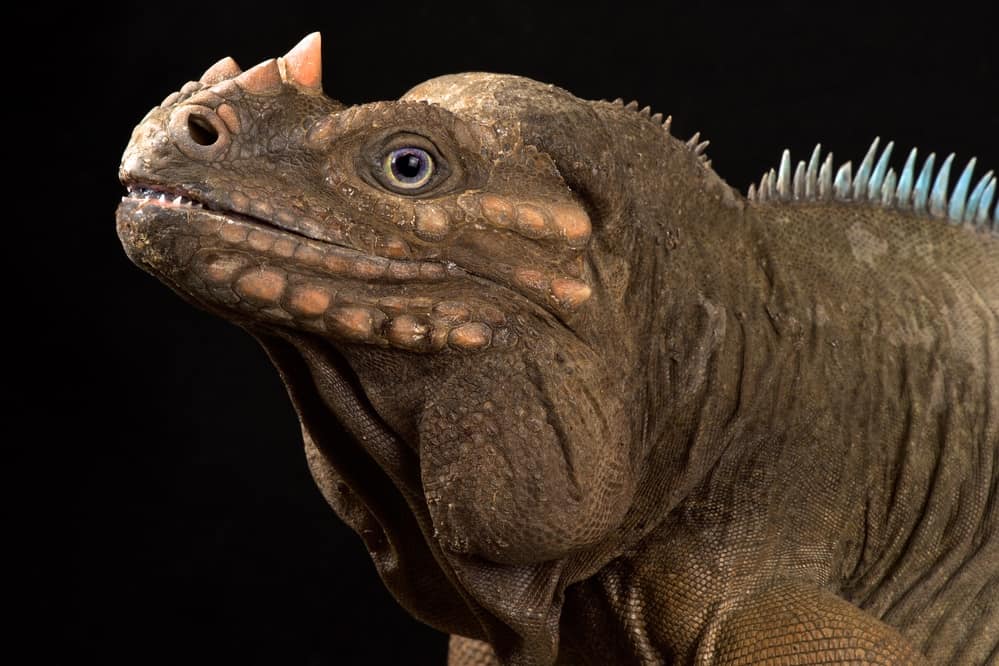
(266, 236)
(257, 269)
(163, 197)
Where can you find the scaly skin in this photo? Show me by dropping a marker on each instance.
(602, 408)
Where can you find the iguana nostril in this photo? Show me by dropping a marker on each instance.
(201, 130)
(198, 132)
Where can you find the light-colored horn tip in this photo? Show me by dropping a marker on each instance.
(262, 78)
(304, 62)
(226, 68)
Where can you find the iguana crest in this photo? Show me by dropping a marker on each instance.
(694, 143)
(876, 183)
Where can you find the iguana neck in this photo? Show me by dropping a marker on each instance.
(690, 251)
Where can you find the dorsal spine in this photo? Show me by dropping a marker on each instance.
(876, 183)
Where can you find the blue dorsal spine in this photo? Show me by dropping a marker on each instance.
(921, 190)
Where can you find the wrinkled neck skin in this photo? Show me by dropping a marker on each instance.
(528, 467)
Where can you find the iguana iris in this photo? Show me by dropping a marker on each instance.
(602, 407)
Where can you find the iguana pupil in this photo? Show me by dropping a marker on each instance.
(408, 166)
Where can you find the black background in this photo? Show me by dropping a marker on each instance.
(170, 516)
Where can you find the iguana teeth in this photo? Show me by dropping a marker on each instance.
(147, 194)
(938, 196)
(921, 191)
(841, 186)
(811, 174)
(904, 192)
(888, 189)
(864, 171)
(825, 178)
(874, 192)
(971, 209)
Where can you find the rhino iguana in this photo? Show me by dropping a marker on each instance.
(603, 408)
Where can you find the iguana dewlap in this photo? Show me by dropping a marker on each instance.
(602, 408)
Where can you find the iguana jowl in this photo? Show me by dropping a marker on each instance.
(603, 408)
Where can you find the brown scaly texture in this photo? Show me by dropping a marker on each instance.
(602, 408)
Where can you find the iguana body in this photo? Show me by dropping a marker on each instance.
(602, 408)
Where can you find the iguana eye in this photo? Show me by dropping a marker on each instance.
(408, 168)
(406, 163)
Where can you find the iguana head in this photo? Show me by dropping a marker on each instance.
(393, 224)
(453, 277)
